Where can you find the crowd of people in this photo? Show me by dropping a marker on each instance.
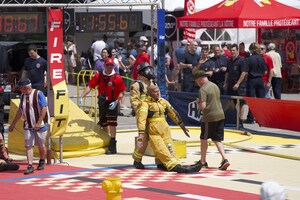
(225, 70)
(235, 71)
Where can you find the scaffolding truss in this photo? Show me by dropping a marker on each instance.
(77, 3)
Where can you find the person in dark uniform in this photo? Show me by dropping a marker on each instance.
(189, 61)
(235, 77)
(35, 68)
(219, 71)
(256, 67)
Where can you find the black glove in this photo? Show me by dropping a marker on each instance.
(185, 130)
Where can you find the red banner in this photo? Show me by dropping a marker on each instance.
(290, 51)
(60, 98)
(189, 9)
(273, 113)
(55, 46)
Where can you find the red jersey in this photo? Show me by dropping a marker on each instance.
(270, 66)
(106, 84)
(144, 57)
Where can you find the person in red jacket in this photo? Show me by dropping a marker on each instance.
(111, 89)
(140, 58)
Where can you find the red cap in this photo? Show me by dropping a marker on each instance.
(109, 61)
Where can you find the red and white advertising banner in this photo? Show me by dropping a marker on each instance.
(290, 51)
(60, 99)
(189, 9)
(242, 14)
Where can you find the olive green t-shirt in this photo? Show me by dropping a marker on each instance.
(210, 93)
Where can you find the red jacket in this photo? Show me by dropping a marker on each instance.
(106, 83)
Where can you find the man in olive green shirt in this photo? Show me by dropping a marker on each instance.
(212, 122)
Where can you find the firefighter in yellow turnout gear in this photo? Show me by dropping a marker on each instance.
(138, 93)
(153, 111)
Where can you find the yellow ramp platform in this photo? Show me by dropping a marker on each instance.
(82, 137)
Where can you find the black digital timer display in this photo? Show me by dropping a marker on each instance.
(13, 23)
(110, 22)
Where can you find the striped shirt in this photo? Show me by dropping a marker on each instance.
(31, 106)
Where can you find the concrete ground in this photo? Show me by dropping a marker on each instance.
(268, 158)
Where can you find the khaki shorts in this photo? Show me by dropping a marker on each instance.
(35, 138)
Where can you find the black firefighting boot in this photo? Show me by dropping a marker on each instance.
(112, 148)
(187, 168)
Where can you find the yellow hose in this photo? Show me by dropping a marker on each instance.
(196, 143)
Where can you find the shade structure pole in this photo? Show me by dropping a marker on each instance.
(238, 36)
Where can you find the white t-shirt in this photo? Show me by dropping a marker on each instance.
(98, 46)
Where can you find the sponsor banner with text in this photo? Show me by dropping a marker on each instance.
(59, 98)
(185, 104)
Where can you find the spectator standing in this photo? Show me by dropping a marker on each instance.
(130, 49)
(70, 52)
(199, 48)
(189, 61)
(267, 78)
(110, 92)
(149, 51)
(159, 130)
(226, 52)
(256, 67)
(212, 122)
(235, 77)
(142, 56)
(98, 45)
(33, 107)
(276, 79)
(179, 55)
(35, 69)
(99, 64)
(242, 52)
(119, 67)
(204, 63)
(143, 41)
(219, 71)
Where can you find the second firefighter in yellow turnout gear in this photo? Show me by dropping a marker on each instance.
(153, 111)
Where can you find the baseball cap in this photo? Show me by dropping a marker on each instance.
(200, 73)
(109, 61)
(185, 42)
(23, 82)
(143, 38)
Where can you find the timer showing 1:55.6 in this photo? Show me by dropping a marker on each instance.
(13, 23)
(111, 22)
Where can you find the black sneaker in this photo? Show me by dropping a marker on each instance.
(29, 170)
(41, 164)
(138, 165)
(224, 164)
(205, 165)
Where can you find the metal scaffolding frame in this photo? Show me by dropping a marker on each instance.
(77, 3)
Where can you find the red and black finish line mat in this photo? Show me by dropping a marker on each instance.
(71, 183)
